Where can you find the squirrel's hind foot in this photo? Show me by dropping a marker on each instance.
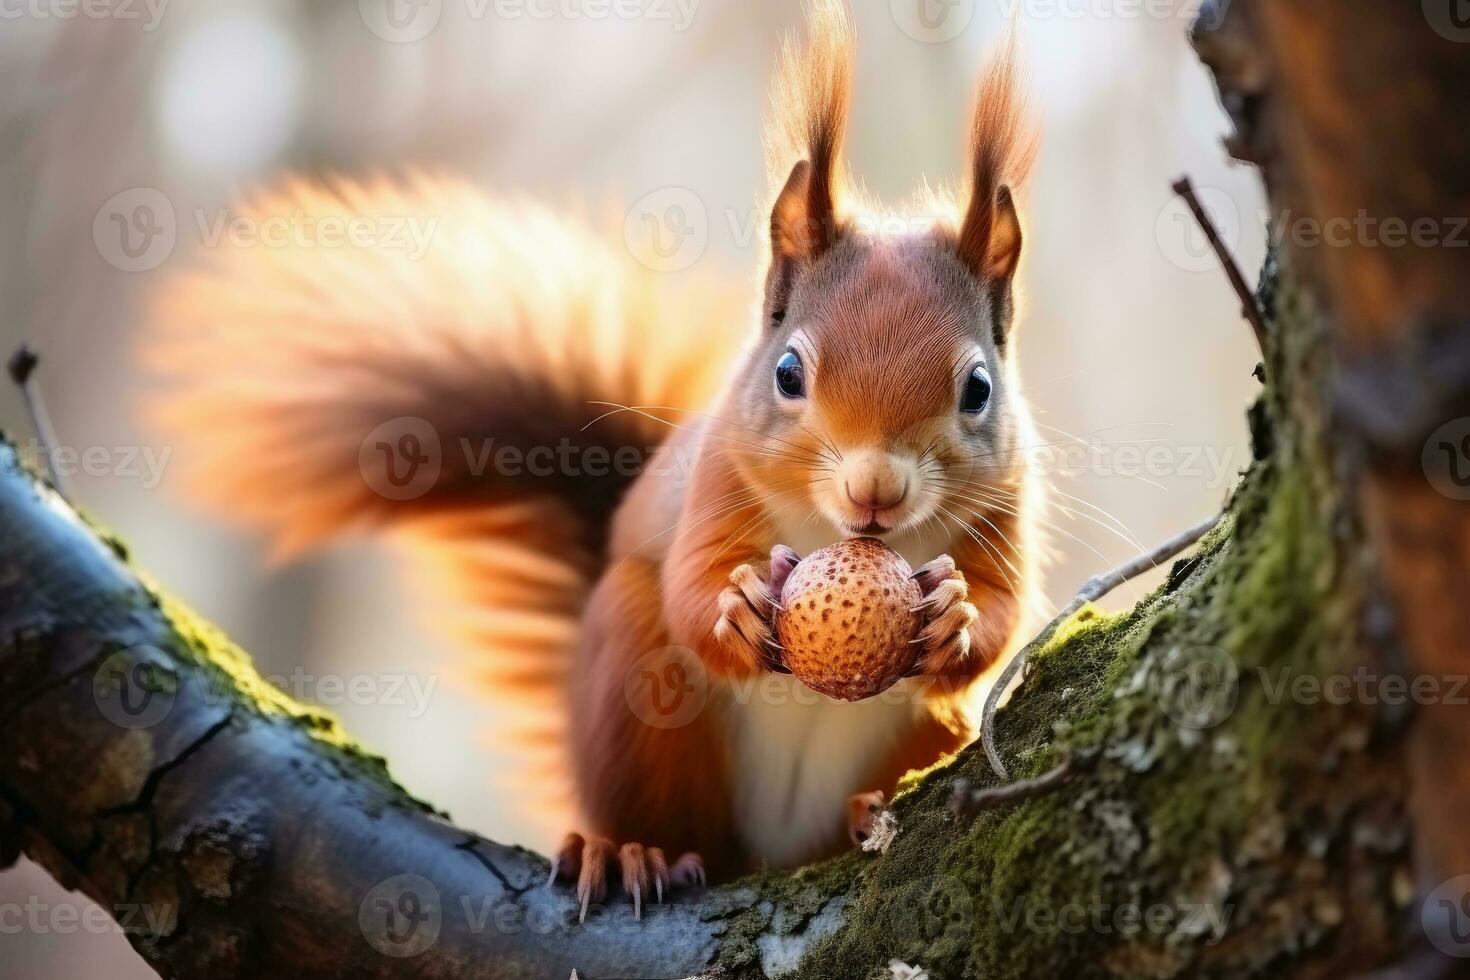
(862, 816)
(643, 871)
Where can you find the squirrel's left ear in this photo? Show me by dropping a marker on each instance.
(1000, 152)
(990, 239)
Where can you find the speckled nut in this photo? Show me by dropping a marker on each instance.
(846, 619)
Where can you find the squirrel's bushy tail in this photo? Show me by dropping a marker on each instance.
(440, 368)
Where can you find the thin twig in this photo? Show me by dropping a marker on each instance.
(967, 801)
(1095, 588)
(22, 368)
(1185, 189)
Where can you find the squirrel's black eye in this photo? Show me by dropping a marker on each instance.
(977, 391)
(790, 377)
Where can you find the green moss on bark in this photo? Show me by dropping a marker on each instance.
(232, 674)
(229, 673)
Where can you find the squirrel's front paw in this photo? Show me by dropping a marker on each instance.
(747, 608)
(947, 614)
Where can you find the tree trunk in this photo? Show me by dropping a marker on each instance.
(1237, 815)
(1357, 117)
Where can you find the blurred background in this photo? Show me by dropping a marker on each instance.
(1134, 352)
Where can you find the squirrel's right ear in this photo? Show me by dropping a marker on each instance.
(803, 226)
(804, 218)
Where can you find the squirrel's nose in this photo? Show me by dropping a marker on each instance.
(877, 492)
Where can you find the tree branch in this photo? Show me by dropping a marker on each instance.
(1092, 590)
(235, 834)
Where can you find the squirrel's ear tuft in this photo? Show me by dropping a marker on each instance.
(804, 141)
(1001, 149)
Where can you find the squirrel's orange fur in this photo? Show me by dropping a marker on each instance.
(276, 363)
(520, 328)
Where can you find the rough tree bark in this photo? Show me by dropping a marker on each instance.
(1356, 117)
(1229, 823)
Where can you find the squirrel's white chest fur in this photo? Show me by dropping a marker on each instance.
(798, 756)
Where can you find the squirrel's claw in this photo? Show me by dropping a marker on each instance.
(633, 864)
(937, 571)
(947, 614)
(688, 870)
(592, 883)
(658, 870)
(862, 814)
(783, 561)
(587, 861)
(747, 609)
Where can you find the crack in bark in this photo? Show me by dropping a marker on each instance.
(157, 774)
(472, 848)
(144, 802)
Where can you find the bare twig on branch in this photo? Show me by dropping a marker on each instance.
(1094, 589)
(968, 800)
(23, 364)
(1248, 306)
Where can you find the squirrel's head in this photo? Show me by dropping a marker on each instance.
(884, 370)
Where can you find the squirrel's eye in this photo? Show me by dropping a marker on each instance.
(977, 391)
(790, 377)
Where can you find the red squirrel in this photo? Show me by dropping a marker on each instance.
(876, 394)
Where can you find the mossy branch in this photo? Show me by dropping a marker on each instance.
(1222, 828)
(236, 834)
